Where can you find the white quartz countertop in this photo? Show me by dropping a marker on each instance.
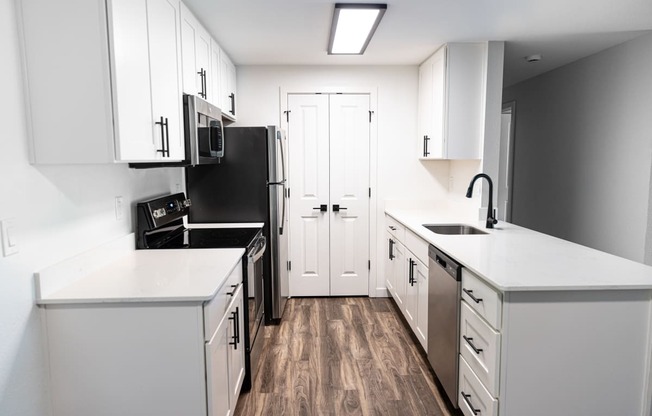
(513, 258)
(152, 276)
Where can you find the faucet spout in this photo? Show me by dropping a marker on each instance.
(491, 212)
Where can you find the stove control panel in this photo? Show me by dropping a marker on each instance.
(162, 211)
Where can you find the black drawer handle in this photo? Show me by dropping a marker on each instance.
(470, 293)
(234, 318)
(466, 399)
(391, 227)
(391, 249)
(473, 347)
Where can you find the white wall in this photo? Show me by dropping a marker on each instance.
(583, 150)
(400, 175)
(60, 211)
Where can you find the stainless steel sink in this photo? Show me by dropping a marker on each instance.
(453, 229)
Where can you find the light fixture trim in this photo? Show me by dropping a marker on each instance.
(379, 7)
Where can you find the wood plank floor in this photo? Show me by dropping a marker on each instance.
(342, 356)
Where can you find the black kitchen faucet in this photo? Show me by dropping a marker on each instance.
(491, 212)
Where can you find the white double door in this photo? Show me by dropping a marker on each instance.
(328, 136)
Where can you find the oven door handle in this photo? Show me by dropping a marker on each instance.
(259, 251)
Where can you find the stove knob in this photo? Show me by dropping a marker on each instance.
(186, 203)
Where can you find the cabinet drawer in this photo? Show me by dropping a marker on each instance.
(480, 347)
(417, 246)
(215, 308)
(486, 301)
(473, 398)
(395, 228)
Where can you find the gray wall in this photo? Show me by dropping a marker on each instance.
(583, 150)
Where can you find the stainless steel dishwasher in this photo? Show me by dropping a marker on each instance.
(444, 283)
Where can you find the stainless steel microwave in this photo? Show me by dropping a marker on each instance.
(203, 131)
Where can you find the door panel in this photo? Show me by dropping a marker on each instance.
(349, 188)
(308, 173)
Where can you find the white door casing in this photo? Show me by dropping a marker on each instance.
(308, 174)
(349, 188)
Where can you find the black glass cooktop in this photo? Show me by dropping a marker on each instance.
(213, 238)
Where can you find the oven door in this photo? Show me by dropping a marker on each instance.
(255, 293)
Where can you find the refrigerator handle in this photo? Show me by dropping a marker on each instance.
(280, 228)
(279, 136)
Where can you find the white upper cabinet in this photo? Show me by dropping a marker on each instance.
(103, 80)
(451, 102)
(227, 86)
(196, 52)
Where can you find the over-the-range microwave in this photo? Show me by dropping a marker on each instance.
(203, 135)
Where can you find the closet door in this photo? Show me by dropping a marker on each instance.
(349, 194)
(308, 137)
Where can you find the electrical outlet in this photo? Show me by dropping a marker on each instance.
(119, 208)
(177, 187)
(9, 237)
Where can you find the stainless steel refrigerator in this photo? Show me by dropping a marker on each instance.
(249, 185)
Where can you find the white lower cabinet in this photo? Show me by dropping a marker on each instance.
(407, 276)
(156, 358)
(225, 361)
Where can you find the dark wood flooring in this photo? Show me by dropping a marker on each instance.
(342, 356)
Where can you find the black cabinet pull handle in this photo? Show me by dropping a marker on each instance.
(232, 97)
(164, 129)
(202, 75)
(391, 227)
(233, 291)
(391, 249)
(411, 274)
(204, 86)
(467, 398)
(470, 293)
(473, 347)
(337, 208)
(322, 208)
(237, 327)
(167, 138)
(425, 146)
(234, 318)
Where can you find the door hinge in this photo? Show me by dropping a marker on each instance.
(287, 115)
(369, 192)
(370, 113)
(369, 264)
(289, 265)
(288, 192)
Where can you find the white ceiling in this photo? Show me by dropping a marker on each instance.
(295, 32)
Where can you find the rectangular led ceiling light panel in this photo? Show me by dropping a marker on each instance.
(353, 26)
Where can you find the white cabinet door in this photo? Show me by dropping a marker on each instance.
(400, 276)
(421, 328)
(308, 174)
(214, 78)
(389, 262)
(411, 291)
(349, 190)
(132, 94)
(227, 86)
(164, 47)
(236, 351)
(196, 54)
(217, 374)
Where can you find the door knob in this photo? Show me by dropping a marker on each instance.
(337, 208)
(322, 208)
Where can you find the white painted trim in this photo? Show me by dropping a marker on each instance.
(301, 88)
(647, 397)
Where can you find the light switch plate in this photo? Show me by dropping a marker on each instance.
(9, 237)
